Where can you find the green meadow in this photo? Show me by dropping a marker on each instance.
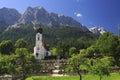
(113, 76)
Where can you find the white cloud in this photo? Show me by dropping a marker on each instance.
(78, 14)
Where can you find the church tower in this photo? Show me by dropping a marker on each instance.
(39, 49)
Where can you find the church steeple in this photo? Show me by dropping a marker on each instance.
(39, 49)
(39, 30)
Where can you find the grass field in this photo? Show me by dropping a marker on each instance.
(114, 76)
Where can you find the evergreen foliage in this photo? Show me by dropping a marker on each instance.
(51, 35)
(6, 47)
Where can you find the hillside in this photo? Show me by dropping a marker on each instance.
(52, 36)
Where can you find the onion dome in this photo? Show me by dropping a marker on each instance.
(39, 30)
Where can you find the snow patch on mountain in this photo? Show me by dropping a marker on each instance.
(97, 30)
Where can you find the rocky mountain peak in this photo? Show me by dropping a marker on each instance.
(97, 30)
(40, 8)
(40, 15)
(33, 15)
(29, 9)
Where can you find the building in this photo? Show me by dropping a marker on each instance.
(40, 50)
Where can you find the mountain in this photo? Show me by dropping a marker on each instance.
(57, 28)
(97, 30)
(8, 17)
(13, 18)
(3, 26)
(40, 15)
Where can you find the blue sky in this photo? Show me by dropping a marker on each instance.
(90, 13)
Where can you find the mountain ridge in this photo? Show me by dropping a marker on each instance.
(11, 18)
(37, 15)
(40, 15)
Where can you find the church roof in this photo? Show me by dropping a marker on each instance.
(45, 46)
(39, 30)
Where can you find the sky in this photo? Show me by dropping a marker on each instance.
(91, 13)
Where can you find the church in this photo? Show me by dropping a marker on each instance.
(40, 49)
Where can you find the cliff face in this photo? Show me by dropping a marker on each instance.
(40, 15)
(12, 18)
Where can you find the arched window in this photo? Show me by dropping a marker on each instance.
(38, 38)
(37, 54)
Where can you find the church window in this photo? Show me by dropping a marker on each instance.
(37, 54)
(38, 38)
